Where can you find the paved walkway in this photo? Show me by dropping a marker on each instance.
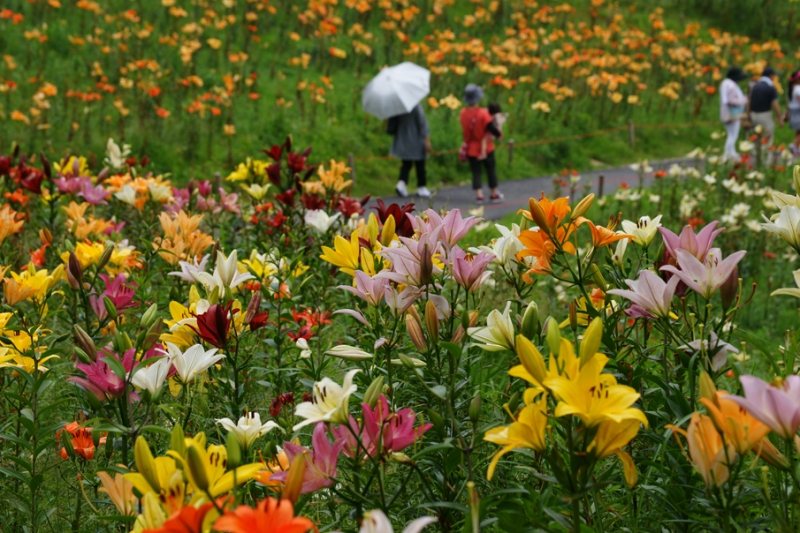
(517, 192)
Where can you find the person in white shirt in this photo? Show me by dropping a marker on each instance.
(732, 106)
(793, 95)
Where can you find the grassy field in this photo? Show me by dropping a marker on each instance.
(195, 87)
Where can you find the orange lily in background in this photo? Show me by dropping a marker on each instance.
(603, 236)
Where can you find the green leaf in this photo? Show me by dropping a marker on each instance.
(440, 391)
(155, 429)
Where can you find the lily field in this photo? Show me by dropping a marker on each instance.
(262, 352)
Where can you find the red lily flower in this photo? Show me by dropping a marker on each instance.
(214, 324)
(403, 227)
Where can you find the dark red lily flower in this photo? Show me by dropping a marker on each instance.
(349, 206)
(275, 152)
(259, 320)
(403, 227)
(312, 201)
(296, 162)
(286, 197)
(303, 333)
(28, 178)
(5, 165)
(214, 324)
(274, 174)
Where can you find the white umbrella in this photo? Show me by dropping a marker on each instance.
(396, 90)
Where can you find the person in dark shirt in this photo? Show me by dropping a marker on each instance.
(763, 103)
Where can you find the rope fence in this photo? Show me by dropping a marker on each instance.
(511, 145)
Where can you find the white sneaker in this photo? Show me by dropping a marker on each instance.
(423, 192)
(401, 189)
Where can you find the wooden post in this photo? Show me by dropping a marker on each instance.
(600, 183)
(218, 181)
(352, 162)
(631, 134)
(510, 151)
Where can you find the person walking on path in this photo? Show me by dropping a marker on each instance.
(732, 105)
(793, 95)
(763, 103)
(475, 123)
(411, 145)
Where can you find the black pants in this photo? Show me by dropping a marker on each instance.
(491, 171)
(405, 170)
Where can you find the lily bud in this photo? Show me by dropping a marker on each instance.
(234, 450)
(524, 224)
(294, 481)
(513, 402)
(105, 258)
(436, 419)
(592, 339)
(473, 318)
(553, 336)
(538, 216)
(407, 362)
(197, 468)
(432, 322)
(425, 265)
(531, 359)
(730, 289)
(84, 342)
(45, 236)
(387, 233)
(372, 229)
(796, 179)
(400, 457)
(582, 207)
(149, 316)
(82, 356)
(111, 309)
(475, 409)
(145, 463)
(573, 316)
(707, 388)
(46, 166)
(252, 307)
(74, 271)
(152, 336)
(767, 451)
(530, 321)
(598, 277)
(458, 335)
(414, 330)
(177, 441)
(123, 342)
(374, 391)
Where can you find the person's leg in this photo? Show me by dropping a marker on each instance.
(477, 186)
(491, 171)
(422, 177)
(402, 182)
(732, 128)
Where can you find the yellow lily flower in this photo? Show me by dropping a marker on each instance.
(527, 431)
(87, 254)
(594, 397)
(256, 191)
(180, 334)
(566, 363)
(37, 281)
(610, 438)
(15, 359)
(346, 254)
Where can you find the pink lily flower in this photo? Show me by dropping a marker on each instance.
(453, 226)
(120, 294)
(371, 290)
(394, 431)
(321, 461)
(100, 380)
(95, 195)
(470, 271)
(776, 406)
(707, 277)
(650, 295)
(398, 301)
(699, 245)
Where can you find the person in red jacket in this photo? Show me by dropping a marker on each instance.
(475, 123)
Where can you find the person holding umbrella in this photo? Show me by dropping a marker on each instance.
(395, 94)
(475, 123)
(411, 145)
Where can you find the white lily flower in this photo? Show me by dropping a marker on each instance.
(195, 360)
(786, 226)
(126, 195)
(152, 376)
(226, 274)
(189, 271)
(498, 334)
(376, 521)
(159, 193)
(248, 429)
(319, 220)
(116, 155)
(329, 402)
(302, 345)
(643, 230)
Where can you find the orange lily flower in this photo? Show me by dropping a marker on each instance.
(709, 454)
(603, 236)
(270, 516)
(738, 426)
(187, 520)
(546, 214)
